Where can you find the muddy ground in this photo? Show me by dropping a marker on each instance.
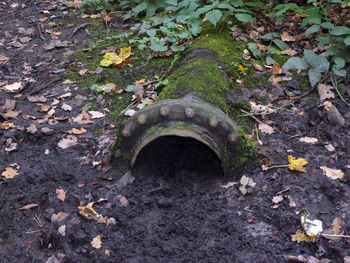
(160, 213)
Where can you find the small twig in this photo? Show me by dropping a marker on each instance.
(40, 34)
(334, 235)
(33, 232)
(251, 115)
(132, 103)
(334, 82)
(42, 87)
(38, 222)
(78, 28)
(297, 135)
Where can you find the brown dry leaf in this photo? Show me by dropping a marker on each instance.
(96, 114)
(262, 47)
(107, 87)
(96, 242)
(336, 225)
(141, 81)
(7, 125)
(277, 69)
(14, 87)
(325, 91)
(258, 67)
(61, 194)
(11, 114)
(82, 72)
(32, 128)
(107, 252)
(89, 212)
(77, 131)
(3, 58)
(9, 173)
(286, 37)
(67, 142)
(263, 127)
(300, 236)
(66, 107)
(274, 80)
(308, 140)
(75, 3)
(332, 173)
(29, 206)
(289, 52)
(60, 216)
(40, 98)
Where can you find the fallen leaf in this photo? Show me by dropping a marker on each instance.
(300, 236)
(67, 142)
(14, 87)
(289, 52)
(107, 87)
(336, 225)
(277, 199)
(110, 58)
(258, 67)
(29, 206)
(308, 140)
(325, 91)
(96, 242)
(96, 114)
(107, 252)
(40, 98)
(61, 194)
(141, 81)
(296, 164)
(9, 173)
(286, 37)
(60, 216)
(66, 107)
(7, 125)
(329, 147)
(82, 72)
(327, 105)
(332, 173)
(77, 131)
(89, 212)
(32, 128)
(11, 114)
(242, 68)
(129, 112)
(62, 230)
(263, 127)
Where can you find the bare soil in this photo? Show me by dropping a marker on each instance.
(162, 214)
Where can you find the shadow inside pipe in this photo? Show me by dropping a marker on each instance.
(173, 155)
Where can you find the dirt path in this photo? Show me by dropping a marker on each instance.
(187, 217)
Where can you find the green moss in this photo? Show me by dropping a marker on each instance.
(201, 77)
(245, 147)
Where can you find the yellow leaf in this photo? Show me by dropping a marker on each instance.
(96, 242)
(111, 58)
(300, 236)
(296, 164)
(125, 53)
(9, 173)
(105, 63)
(90, 213)
(61, 194)
(242, 68)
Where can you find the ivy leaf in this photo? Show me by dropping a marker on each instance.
(340, 30)
(295, 63)
(339, 61)
(327, 25)
(312, 29)
(245, 18)
(280, 44)
(347, 41)
(140, 7)
(213, 16)
(158, 47)
(314, 77)
(315, 61)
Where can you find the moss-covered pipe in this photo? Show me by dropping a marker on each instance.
(192, 105)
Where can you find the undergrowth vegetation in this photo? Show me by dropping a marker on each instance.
(170, 26)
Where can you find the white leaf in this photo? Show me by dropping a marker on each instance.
(96, 114)
(332, 173)
(263, 127)
(67, 142)
(308, 140)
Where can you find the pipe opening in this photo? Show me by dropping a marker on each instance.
(170, 155)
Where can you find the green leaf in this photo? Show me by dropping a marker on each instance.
(340, 30)
(327, 25)
(254, 49)
(314, 77)
(280, 44)
(172, 2)
(270, 36)
(339, 72)
(129, 88)
(340, 62)
(140, 7)
(347, 41)
(312, 29)
(295, 63)
(245, 18)
(316, 62)
(158, 47)
(151, 32)
(175, 48)
(270, 61)
(213, 16)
